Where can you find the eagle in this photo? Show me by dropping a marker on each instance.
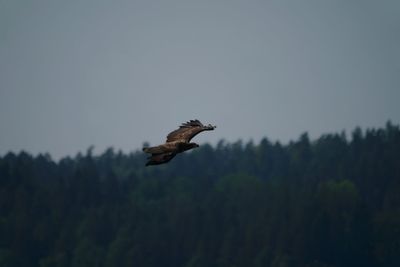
(178, 141)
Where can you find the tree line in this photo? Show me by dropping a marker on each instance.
(329, 202)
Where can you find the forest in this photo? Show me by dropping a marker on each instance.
(329, 202)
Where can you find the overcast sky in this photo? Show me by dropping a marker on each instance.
(119, 73)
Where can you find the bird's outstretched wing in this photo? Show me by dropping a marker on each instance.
(187, 131)
(157, 159)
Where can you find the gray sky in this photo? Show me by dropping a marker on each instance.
(118, 73)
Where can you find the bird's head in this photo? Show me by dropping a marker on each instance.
(187, 146)
(193, 145)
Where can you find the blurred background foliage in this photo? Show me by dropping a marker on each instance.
(334, 201)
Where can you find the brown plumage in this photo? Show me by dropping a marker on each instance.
(178, 141)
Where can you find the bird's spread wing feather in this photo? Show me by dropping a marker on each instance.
(156, 159)
(186, 131)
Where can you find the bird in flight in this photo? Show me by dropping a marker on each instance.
(178, 141)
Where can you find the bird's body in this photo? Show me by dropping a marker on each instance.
(178, 141)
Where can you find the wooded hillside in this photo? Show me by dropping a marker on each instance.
(334, 201)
